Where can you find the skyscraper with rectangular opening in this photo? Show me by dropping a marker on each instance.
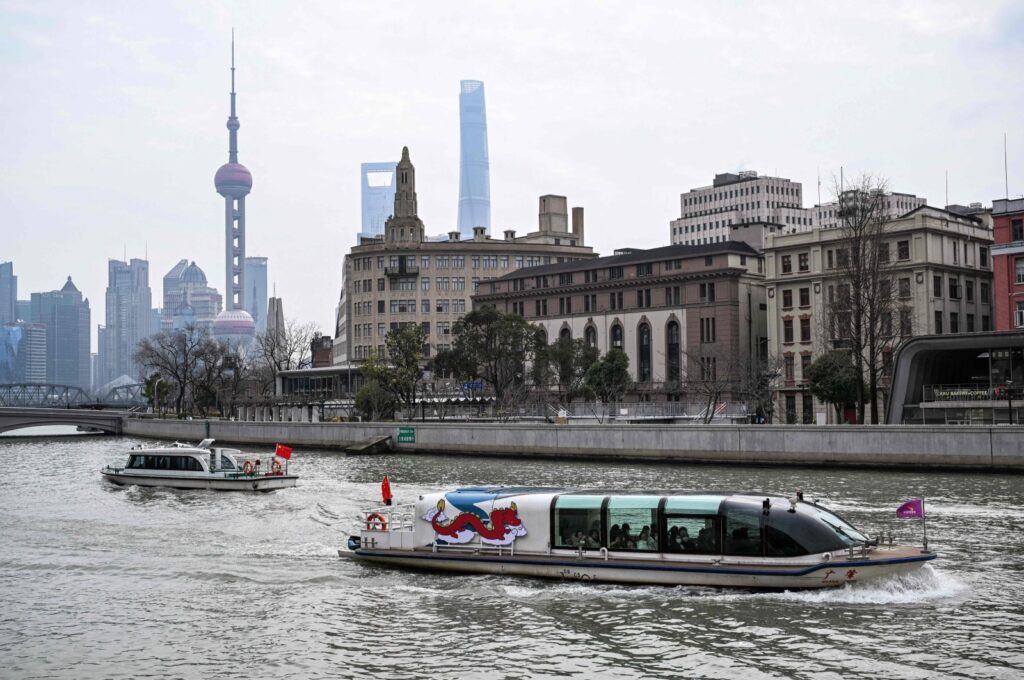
(378, 191)
(474, 166)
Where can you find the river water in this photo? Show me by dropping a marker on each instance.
(101, 581)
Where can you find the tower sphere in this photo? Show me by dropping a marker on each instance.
(233, 179)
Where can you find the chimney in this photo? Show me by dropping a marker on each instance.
(454, 235)
(479, 233)
(577, 225)
(510, 234)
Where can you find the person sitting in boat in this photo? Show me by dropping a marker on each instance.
(689, 545)
(645, 541)
(615, 537)
(705, 542)
(674, 545)
(594, 539)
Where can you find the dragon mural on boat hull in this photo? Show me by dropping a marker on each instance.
(501, 527)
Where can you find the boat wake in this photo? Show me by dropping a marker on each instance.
(922, 585)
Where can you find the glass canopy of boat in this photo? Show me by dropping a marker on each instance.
(697, 524)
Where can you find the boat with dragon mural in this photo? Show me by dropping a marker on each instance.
(689, 539)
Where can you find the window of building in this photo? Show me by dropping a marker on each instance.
(617, 336)
(787, 330)
(590, 336)
(458, 283)
(805, 365)
(1017, 230)
(474, 262)
(708, 329)
(986, 323)
(804, 262)
(643, 298)
(938, 322)
(831, 261)
(906, 323)
(644, 352)
(442, 262)
(903, 250)
(615, 272)
(565, 279)
(805, 330)
(883, 253)
(787, 299)
(787, 264)
(788, 365)
(954, 322)
(937, 286)
(1018, 266)
(984, 294)
(808, 408)
(983, 257)
(970, 323)
(425, 306)
(707, 292)
(805, 297)
(425, 283)
(380, 306)
(673, 367)
(458, 261)
(644, 269)
(954, 288)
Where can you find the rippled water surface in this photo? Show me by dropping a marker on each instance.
(102, 581)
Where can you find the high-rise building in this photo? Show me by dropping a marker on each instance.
(23, 310)
(474, 165)
(129, 312)
(275, 317)
(234, 182)
(829, 215)
(740, 207)
(22, 353)
(256, 291)
(377, 181)
(188, 299)
(65, 313)
(8, 293)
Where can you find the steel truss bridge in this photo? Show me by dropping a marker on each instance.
(43, 395)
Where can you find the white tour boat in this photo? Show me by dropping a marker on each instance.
(737, 540)
(183, 466)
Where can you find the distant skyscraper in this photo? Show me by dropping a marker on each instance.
(256, 291)
(378, 190)
(188, 298)
(65, 313)
(275, 317)
(234, 182)
(22, 353)
(129, 312)
(8, 293)
(474, 166)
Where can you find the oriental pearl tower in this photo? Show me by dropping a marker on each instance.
(234, 181)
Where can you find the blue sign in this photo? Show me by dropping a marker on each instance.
(472, 386)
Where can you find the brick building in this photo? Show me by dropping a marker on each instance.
(1008, 262)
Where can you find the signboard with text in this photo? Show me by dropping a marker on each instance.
(407, 435)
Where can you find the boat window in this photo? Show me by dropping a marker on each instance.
(226, 463)
(742, 527)
(839, 525)
(633, 523)
(695, 534)
(136, 461)
(789, 534)
(577, 521)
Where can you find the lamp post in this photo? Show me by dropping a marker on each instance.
(1009, 399)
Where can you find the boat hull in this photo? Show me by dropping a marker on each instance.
(830, 574)
(261, 483)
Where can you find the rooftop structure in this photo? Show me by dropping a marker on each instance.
(377, 183)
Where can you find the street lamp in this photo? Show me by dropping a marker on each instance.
(1009, 399)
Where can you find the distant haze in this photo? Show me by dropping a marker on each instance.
(112, 122)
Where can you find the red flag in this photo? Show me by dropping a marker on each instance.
(912, 508)
(385, 490)
(283, 451)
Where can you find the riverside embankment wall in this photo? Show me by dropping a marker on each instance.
(919, 446)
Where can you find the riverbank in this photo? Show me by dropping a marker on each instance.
(945, 447)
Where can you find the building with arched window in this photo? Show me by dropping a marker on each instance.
(681, 313)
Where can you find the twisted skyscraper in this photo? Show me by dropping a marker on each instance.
(474, 167)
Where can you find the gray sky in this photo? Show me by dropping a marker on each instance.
(112, 117)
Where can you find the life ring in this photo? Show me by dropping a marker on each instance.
(247, 468)
(376, 522)
(275, 467)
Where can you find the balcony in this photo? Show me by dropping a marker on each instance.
(396, 272)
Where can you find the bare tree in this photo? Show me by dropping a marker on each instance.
(283, 350)
(180, 357)
(713, 374)
(758, 378)
(863, 304)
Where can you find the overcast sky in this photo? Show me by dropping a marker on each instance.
(112, 118)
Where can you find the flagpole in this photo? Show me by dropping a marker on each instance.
(924, 524)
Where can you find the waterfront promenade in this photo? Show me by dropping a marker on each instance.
(950, 447)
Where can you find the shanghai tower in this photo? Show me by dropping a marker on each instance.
(474, 167)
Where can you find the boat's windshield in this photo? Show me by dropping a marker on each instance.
(849, 534)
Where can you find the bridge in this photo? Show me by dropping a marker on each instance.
(104, 421)
(43, 395)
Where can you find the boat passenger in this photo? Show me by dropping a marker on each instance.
(705, 542)
(594, 539)
(645, 541)
(674, 544)
(615, 537)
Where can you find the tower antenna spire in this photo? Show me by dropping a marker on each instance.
(233, 123)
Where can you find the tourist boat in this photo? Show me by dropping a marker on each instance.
(719, 540)
(183, 466)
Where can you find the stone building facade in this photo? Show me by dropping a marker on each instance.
(940, 266)
(402, 277)
(676, 311)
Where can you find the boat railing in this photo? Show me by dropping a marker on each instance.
(390, 518)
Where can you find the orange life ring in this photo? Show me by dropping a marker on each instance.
(247, 468)
(376, 522)
(275, 467)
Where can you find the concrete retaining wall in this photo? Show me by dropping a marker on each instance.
(948, 447)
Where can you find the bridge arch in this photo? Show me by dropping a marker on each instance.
(19, 418)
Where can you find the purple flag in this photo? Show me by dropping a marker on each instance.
(912, 508)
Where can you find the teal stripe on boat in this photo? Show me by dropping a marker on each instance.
(579, 502)
(700, 504)
(625, 502)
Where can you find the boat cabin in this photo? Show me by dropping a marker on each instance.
(185, 458)
(553, 521)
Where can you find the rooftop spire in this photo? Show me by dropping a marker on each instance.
(233, 123)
